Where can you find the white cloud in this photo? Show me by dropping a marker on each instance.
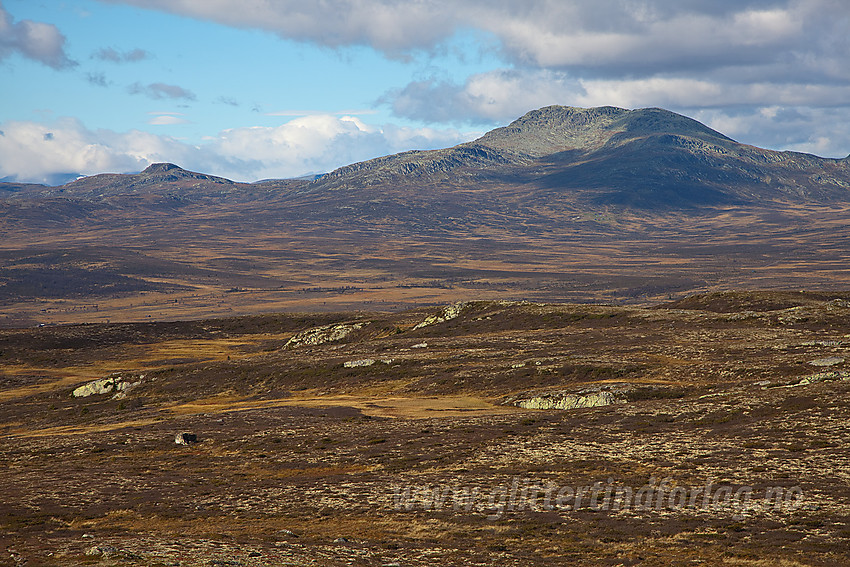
(671, 53)
(31, 151)
(318, 143)
(167, 120)
(36, 40)
(492, 97)
(820, 131)
(393, 27)
(612, 36)
(502, 95)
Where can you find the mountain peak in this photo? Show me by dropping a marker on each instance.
(553, 129)
(166, 172)
(157, 168)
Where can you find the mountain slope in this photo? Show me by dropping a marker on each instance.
(610, 156)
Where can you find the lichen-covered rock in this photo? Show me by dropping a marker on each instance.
(568, 401)
(102, 551)
(828, 361)
(357, 363)
(102, 386)
(449, 313)
(112, 384)
(823, 377)
(323, 334)
(366, 362)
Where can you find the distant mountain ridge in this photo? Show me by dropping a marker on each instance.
(605, 156)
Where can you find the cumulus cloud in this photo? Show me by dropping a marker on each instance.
(609, 36)
(502, 95)
(115, 56)
(819, 131)
(35, 40)
(161, 90)
(32, 151)
(311, 144)
(320, 143)
(394, 27)
(495, 96)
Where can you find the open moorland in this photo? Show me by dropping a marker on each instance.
(117, 269)
(706, 431)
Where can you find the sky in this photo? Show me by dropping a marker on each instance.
(259, 89)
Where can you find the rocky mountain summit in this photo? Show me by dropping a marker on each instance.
(158, 178)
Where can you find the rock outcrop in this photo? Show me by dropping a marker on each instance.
(323, 334)
(449, 313)
(365, 362)
(823, 377)
(561, 400)
(828, 361)
(114, 384)
(104, 551)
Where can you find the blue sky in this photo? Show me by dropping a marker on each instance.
(251, 89)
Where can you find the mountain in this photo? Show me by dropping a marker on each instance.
(158, 178)
(610, 156)
(642, 159)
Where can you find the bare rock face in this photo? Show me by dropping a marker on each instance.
(323, 334)
(564, 401)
